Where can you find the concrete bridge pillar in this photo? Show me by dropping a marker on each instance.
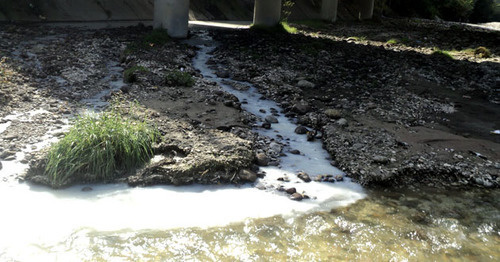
(366, 9)
(172, 15)
(329, 10)
(267, 12)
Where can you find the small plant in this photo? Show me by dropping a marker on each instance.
(99, 146)
(393, 41)
(179, 78)
(442, 53)
(130, 74)
(482, 52)
(282, 27)
(288, 28)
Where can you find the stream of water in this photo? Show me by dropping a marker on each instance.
(226, 223)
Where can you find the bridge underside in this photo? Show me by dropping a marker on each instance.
(173, 15)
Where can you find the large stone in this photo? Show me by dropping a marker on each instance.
(261, 159)
(247, 175)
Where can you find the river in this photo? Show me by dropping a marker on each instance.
(341, 221)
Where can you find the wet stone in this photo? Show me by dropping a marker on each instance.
(291, 190)
(262, 159)
(301, 130)
(304, 177)
(247, 175)
(296, 197)
(295, 152)
(271, 119)
(266, 125)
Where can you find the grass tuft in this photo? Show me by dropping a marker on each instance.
(442, 53)
(393, 41)
(282, 27)
(130, 74)
(99, 147)
(179, 78)
(482, 52)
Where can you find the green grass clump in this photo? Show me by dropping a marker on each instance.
(393, 41)
(282, 27)
(157, 37)
(179, 78)
(442, 53)
(130, 76)
(482, 52)
(97, 147)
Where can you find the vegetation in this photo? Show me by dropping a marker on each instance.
(130, 74)
(282, 27)
(157, 37)
(98, 147)
(442, 53)
(482, 52)
(179, 78)
(393, 41)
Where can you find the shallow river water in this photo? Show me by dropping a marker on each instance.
(342, 221)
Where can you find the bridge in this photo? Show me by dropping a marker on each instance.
(173, 15)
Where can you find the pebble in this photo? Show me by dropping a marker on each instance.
(304, 177)
(247, 175)
(271, 119)
(296, 197)
(301, 130)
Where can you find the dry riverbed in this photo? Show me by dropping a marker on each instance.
(390, 114)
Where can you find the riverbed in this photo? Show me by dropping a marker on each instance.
(252, 222)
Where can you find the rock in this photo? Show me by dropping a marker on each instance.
(301, 107)
(295, 152)
(341, 122)
(1, 166)
(7, 155)
(247, 175)
(87, 189)
(223, 73)
(311, 135)
(304, 177)
(291, 190)
(266, 125)
(305, 84)
(262, 159)
(283, 179)
(333, 113)
(271, 119)
(301, 130)
(339, 178)
(275, 148)
(380, 160)
(296, 197)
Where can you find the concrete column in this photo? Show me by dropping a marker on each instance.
(329, 10)
(172, 15)
(366, 9)
(267, 12)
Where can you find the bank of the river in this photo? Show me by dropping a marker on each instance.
(393, 110)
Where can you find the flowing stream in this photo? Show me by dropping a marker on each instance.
(225, 223)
